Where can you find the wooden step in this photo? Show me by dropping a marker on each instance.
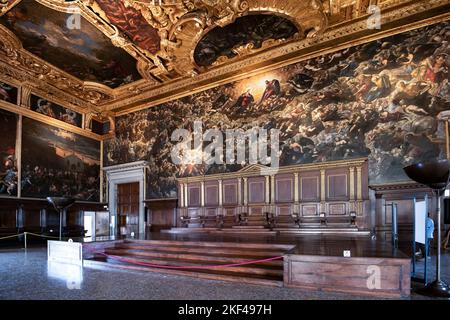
(272, 271)
(207, 259)
(210, 244)
(248, 227)
(198, 250)
(204, 274)
(196, 254)
(248, 232)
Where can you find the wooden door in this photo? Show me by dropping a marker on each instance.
(128, 207)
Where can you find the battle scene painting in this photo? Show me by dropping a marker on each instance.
(8, 158)
(55, 111)
(250, 30)
(380, 100)
(8, 93)
(62, 163)
(83, 52)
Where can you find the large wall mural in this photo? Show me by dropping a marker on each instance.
(8, 164)
(56, 111)
(62, 163)
(379, 100)
(85, 53)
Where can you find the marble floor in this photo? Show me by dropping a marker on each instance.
(26, 274)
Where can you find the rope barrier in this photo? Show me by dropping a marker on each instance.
(42, 236)
(132, 261)
(13, 236)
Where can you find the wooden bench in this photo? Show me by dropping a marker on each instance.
(324, 220)
(209, 221)
(347, 219)
(204, 221)
(186, 220)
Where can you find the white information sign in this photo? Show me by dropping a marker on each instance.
(69, 252)
(420, 215)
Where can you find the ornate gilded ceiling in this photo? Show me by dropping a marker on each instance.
(106, 57)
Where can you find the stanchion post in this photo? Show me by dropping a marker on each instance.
(25, 239)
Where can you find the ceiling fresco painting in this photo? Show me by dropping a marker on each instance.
(131, 22)
(84, 53)
(251, 30)
(132, 54)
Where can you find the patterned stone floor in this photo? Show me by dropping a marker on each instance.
(26, 274)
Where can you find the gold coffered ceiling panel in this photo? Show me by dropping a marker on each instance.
(161, 36)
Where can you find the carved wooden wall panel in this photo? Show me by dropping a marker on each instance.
(256, 190)
(284, 188)
(309, 187)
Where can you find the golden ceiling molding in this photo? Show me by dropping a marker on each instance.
(6, 5)
(92, 12)
(183, 24)
(101, 117)
(25, 82)
(15, 55)
(284, 55)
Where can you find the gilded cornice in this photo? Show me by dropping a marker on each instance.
(259, 170)
(42, 73)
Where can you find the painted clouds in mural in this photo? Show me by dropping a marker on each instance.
(85, 53)
(379, 100)
(8, 164)
(62, 163)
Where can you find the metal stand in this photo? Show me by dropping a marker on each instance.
(436, 175)
(394, 222)
(426, 245)
(60, 204)
(437, 288)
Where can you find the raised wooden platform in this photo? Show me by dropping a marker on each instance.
(308, 261)
(139, 254)
(261, 230)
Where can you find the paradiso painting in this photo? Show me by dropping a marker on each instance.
(63, 163)
(8, 164)
(83, 52)
(380, 100)
(55, 111)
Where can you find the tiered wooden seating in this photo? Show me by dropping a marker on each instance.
(323, 220)
(309, 196)
(182, 253)
(226, 221)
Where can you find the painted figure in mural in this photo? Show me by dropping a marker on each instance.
(5, 92)
(8, 181)
(45, 107)
(272, 89)
(301, 83)
(244, 101)
(69, 117)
